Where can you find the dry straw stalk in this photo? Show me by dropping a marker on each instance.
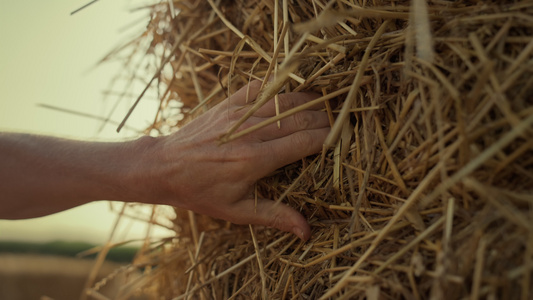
(424, 188)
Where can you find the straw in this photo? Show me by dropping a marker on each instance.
(423, 189)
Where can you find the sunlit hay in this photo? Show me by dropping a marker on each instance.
(425, 188)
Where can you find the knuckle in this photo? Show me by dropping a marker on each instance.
(301, 120)
(285, 102)
(302, 139)
(277, 221)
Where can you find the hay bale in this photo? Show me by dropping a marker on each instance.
(425, 190)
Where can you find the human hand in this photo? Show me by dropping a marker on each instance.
(196, 172)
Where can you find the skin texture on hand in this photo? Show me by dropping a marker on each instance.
(199, 173)
(191, 169)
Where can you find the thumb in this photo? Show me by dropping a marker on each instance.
(277, 215)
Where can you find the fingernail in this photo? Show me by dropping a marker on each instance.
(298, 232)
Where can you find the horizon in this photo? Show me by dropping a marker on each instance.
(50, 57)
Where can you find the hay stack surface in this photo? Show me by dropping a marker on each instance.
(425, 186)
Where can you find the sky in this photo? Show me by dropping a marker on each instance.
(49, 57)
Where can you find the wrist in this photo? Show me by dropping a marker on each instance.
(146, 179)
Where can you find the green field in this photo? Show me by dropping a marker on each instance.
(69, 249)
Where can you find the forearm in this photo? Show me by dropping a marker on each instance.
(188, 169)
(42, 175)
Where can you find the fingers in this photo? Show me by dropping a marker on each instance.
(288, 149)
(270, 214)
(304, 120)
(286, 102)
(249, 93)
(246, 94)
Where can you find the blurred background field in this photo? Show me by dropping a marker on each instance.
(67, 249)
(57, 270)
(49, 58)
(33, 276)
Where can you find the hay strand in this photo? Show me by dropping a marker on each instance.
(424, 186)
